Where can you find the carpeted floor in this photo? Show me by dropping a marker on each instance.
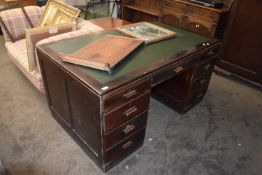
(220, 136)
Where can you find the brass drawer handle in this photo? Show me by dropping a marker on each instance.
(130, 94)
(129, 128)
(127, 144)
(130, 111)
(178, 69)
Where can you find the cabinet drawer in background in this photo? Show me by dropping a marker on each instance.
(190, 23)
(191, 10)
(175, 6)
(125, 130)
(125, 94)
(201, 27)
(172, 18)
(124, 148)
(127, 111)
(203, 14)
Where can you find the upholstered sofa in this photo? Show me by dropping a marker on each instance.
(22, 51)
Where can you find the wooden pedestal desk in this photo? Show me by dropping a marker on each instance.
(105, 113)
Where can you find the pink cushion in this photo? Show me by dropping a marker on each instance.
(16, 22)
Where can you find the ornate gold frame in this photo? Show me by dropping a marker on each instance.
(57, 12)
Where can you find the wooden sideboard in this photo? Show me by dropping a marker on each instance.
(203, 20)
(241, 53)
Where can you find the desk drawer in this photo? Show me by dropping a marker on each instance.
(127, 111)
(169, 72)
(125, 147)
(195, 99)
(175, 6)
(125, 130)
(205, 68)
(200, 83)
(125, 94)
(192, 10)
(209, 54)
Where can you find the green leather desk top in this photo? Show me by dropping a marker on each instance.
(142, 57)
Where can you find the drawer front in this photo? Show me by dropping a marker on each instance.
(209, 54)
(204, 14)
(125, 130)
(172, 18)
(195, 99)
(125, 147)
(201, 27)
(125, 94)
(200, 83)
(175, 6)
(171, 71)
(189, 23)
(204, 68)
(192, 10)
(127, 111)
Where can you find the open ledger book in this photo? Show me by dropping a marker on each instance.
(104, 53)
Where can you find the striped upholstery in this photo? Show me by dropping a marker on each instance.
(16, 23)
(19, 51)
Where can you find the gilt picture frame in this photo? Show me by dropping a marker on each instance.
(147, 32)
(57, 12)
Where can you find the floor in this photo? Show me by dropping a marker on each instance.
(220, 136)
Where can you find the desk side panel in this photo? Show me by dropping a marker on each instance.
(75, 107)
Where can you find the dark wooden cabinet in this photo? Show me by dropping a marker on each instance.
(203, 20)
(141, 10)
(241, 52)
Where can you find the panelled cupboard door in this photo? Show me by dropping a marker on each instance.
(85, 111)
(242, 45)
(56, 89)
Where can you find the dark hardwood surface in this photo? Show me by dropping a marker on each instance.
(109, 22)
(110, 123)
(241, 52)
